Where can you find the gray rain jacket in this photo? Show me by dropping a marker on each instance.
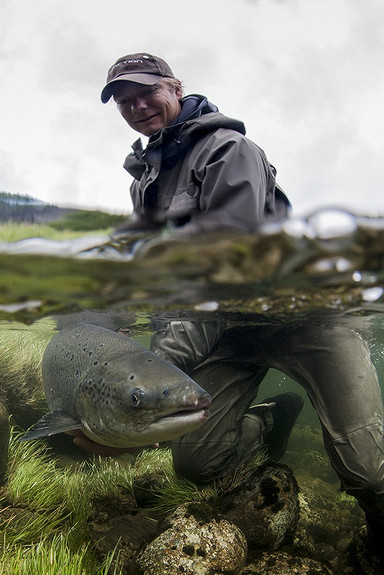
(203, 174)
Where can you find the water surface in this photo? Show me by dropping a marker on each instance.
(326, 267)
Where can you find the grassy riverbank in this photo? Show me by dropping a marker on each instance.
(13, 232)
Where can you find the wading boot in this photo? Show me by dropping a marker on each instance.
(285, 412)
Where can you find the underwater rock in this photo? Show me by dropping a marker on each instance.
(118, 523)
(128, 532)
(327, 515)
(281, 563)
(264, 506)
(327, 524)
(319, 464)
(195, 541)
(146, 487)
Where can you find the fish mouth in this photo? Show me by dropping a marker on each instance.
(165, 427)
(201, 413)
(180, 421)
(199, 409)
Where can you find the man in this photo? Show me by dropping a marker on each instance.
(200, 173)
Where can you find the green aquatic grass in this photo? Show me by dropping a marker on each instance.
(151, 460)
(178, 491)
(45, 509)
(90, 482)
(175, 490)
(31, 505)
(37, 482)
(23, 528)
(53, 557)
(21, 351)
(34, 479)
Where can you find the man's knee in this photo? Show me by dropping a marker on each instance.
(362, 476)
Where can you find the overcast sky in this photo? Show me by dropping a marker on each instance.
(305, 76)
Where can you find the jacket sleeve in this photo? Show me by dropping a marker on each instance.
(186, 343)
(234, 178)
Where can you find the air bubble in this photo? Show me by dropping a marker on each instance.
(373, 294)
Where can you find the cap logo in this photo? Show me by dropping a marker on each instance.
(119, 64)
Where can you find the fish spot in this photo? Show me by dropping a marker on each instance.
(165, 392)
(132, 377)
(95, 362)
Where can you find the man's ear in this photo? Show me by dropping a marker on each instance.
(179, 91)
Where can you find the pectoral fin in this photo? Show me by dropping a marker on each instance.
(50, 424)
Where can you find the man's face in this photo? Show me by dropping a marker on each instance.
(148, 109)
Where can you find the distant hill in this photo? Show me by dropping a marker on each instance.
(23, 208)
(26, 209)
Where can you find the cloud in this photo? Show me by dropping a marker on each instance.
(71, 60)
(7, 174)
(308, 86)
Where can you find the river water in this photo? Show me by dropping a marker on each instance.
(329, 264)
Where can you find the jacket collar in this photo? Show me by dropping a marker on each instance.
(168, 145)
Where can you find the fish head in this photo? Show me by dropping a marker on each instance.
(131, 401)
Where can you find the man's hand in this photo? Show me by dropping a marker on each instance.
(81, 440)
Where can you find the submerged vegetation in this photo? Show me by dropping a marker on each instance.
(46, 508)
(50, 558)
(44, 512)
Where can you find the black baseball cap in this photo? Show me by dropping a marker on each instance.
(139, 68)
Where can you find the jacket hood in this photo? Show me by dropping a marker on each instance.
(170, 144)
(194, 106)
